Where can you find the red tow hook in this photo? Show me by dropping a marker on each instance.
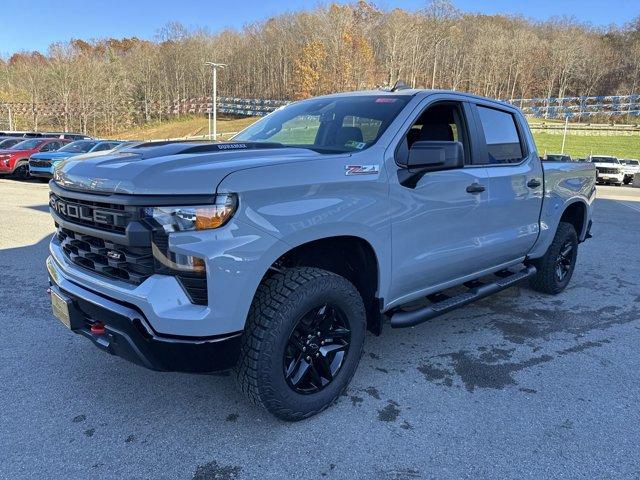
(97, 328)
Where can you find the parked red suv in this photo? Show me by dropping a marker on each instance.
(15, 160)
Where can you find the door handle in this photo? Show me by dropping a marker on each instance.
(475, 188)
(534, 183)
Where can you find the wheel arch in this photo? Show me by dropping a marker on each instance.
(19, 163)
(575, 213)
(350, 256)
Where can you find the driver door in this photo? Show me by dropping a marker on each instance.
(438, 225)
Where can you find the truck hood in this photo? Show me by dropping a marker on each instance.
(53, 155)
(169, 169)
(14, 152)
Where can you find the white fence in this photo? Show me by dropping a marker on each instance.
(577, 108)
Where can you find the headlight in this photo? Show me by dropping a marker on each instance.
(199, 217)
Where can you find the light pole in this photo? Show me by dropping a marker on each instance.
(564, 136)
(212, 113)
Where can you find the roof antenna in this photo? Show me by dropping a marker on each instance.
(400, 85)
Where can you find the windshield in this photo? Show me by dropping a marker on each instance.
(8, 142)
(328, 125)
(28, 144)
(604, 160)
(81, 146)
(626, 162)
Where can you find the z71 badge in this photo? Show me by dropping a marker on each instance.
(361, 170)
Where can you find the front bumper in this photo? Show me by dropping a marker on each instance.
(128, 335)
(610, 177)
(36, 169)
(41, 172)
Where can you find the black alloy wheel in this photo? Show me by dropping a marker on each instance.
(302, 343)
(316, 349)
(564, 260)
(555, 268)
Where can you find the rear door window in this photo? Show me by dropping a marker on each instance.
(501, 136)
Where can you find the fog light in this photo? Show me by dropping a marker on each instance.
(178, 262)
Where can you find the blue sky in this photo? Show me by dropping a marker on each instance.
(34, 24)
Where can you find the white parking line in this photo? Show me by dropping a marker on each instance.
(630, 205)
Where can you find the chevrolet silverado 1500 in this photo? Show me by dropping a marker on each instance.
(273, 253)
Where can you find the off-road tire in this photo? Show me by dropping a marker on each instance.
(279, 303)
(546, 280)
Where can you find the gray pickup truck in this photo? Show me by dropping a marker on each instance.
(274, 253)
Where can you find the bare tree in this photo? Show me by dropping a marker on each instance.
(103, 85)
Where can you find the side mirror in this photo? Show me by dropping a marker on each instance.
(430, 156)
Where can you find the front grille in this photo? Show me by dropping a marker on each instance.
(101, 215)
(607, 170)
(39, 163)
(130, 264)
(133, 262)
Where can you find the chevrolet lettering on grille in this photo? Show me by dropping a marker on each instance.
(86, 213)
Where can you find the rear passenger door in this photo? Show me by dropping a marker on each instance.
(515, 181)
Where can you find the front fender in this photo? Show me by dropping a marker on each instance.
(303, 202)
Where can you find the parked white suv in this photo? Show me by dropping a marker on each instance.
(609, 169)
(629, 168)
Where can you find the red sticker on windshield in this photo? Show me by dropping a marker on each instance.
(385, 100)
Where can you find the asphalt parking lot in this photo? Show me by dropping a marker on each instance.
(519, 385)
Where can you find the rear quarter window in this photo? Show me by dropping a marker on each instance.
(501, 136)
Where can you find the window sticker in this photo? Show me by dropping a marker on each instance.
(356, 145)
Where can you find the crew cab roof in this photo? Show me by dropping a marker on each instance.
(411, 92)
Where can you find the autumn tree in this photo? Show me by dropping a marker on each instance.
(106, 84)
(308, 69)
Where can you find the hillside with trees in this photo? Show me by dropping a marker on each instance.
(105, 84)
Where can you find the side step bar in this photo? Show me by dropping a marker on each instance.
(476, 291)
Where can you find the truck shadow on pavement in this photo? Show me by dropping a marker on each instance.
(39, 208)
